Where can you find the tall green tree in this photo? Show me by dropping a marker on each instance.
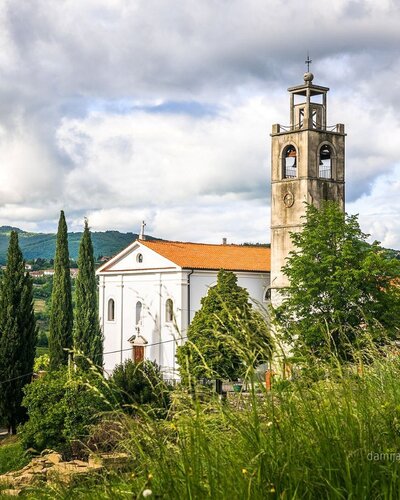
(61, 316)
(226, 336)
(17, 335)
(341, 287)
(88, 338)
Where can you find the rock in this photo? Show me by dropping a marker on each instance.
(115, 461)
(53, 458)
(51, 467)
(11, 493)
(6, 480)
(67, 472)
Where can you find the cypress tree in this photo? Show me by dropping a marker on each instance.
(17, 335)
(87, 334)
(61, 317)
(224, 334)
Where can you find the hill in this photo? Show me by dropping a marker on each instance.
(42, 245)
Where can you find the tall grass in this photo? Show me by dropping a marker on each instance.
(12, 455)
(304, 439)
(330, 432)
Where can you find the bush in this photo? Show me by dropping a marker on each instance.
(41, 363)
(141, 384)
(42, 340)
(44, 400)
(61, 406)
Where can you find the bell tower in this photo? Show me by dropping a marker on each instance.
(307, 165)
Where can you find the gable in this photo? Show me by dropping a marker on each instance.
(136, 257)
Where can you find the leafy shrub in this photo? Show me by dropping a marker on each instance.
(141, 384)
(61, 406)
(44, 400)
(41, 363)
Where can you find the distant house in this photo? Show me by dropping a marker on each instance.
(50, 272)
(74, 272)
(150, 292)
(28, 267)
(36, 274)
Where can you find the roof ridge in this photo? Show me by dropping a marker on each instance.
(245, 245)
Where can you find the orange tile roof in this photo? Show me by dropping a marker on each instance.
(205, 256)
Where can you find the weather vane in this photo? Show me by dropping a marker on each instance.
(308, 61)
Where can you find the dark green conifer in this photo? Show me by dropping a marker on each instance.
(88, 338)
(17, 335)
(61, 317)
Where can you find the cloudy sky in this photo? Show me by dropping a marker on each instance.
(123, 110)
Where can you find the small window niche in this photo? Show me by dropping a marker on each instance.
(325, 162)
(169, 311)
(289, 162)
(111, 310)
(139, 258)
(138, 315)
(267, 295)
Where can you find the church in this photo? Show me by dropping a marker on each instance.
(150, 291)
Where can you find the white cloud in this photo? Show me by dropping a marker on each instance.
(78, 81)
(143, 163)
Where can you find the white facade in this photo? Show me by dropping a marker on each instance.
(138, 282)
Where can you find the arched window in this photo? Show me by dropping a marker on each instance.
(169, 311)
(138, 312)
(325, 162)
(267, 295)
(289, 162)
(111, 310)
(139, 258)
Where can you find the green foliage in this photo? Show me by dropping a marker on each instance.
(12, 457)
(88, 338)
(141, 384)
(17, 335)
(61, 318)
(61, 406)
(44, 401)
(42, 340)
(225, 324)
(42, 287)
(42, 246)
(337, 438)
(340, 286)
(42, 362)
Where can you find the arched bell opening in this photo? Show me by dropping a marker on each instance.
(289, 162)
(325, 162)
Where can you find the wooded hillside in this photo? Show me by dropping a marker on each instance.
(42, 245)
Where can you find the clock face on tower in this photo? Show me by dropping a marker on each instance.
(288, 199)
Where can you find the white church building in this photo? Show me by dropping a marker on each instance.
(150, 291)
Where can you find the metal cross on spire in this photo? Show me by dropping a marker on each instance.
(308, 61)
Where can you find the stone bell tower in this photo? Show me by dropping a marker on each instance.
(307, 165)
